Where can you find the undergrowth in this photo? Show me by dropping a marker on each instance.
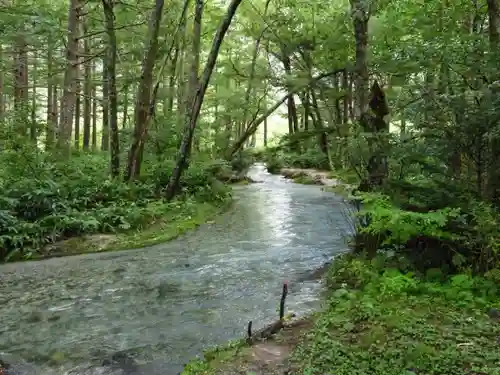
(277, 158)
(419, 211)
(379, 320)
(43, 200)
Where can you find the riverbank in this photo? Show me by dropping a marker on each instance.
(338, 182)
(377, 320)
(175, 220)
(78, 200)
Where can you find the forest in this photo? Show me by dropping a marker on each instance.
(116, 116)
(106, 105)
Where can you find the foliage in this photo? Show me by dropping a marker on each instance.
(452, 237)
(382, 321)
(276, 158)
(214, 356)
(43, 200)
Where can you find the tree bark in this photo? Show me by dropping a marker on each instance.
(78, 101)
(87, 93)
(293, 121)
(110, 73)
(105, 106)
(141, 111)
(195, 61)
(2, 87)
(33, 123)
(21, 83)
(51, 115)
(94, 106)
(68, 98)
(360, 17)
(191, 122)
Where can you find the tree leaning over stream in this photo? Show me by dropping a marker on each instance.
(196, 97)
(121, 84)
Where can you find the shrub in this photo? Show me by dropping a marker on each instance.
(311, 158)
(384, 321)
(446, 238)
(43, 201)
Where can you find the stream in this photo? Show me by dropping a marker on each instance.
(164, 304)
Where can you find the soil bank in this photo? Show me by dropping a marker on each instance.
(181, 219)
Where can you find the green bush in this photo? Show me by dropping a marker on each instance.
(450, 239)
(379, 320)
(273, 159)
(242, 161)
(276, 159)
(43, 201)
(311, 158)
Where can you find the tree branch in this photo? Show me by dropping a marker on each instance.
(252, 127)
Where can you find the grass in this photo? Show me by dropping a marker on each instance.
(305, 180)
(269, 357)
(347, 176)
(184, 218)
(215, 358)
(175, 221)
(379, 321)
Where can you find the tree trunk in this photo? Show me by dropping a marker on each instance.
(307, 110)
(494, 24)
(191, 121)
(195, 62)
(55, 109)
(110, 69)
(2, 87)
(493, 182)
(94, 107)
(371, 122)
(68, 98)
(105, 107)
(293, 122)
(253, 65)
(51, 115)
(265, 123)
(182, 80)
(87, 92)
(78, 104)
(141, 111)
(360, 16)
(126, 90)
(21, 84)
(33, 123)
(347, 98)
(171, 85)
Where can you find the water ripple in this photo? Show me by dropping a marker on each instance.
(169, 301)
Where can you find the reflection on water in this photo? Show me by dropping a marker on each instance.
(276, 222)
(167, 302)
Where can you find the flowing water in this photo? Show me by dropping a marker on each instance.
(163, 304)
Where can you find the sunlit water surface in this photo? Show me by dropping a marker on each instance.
(165, 303)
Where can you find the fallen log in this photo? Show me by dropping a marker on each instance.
(273, 328)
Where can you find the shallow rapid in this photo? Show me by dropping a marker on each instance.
(163, 304)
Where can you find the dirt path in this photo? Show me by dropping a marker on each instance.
(269, 357)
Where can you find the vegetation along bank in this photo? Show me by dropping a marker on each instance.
(387, 312)
(57, 208)
(399, 100)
